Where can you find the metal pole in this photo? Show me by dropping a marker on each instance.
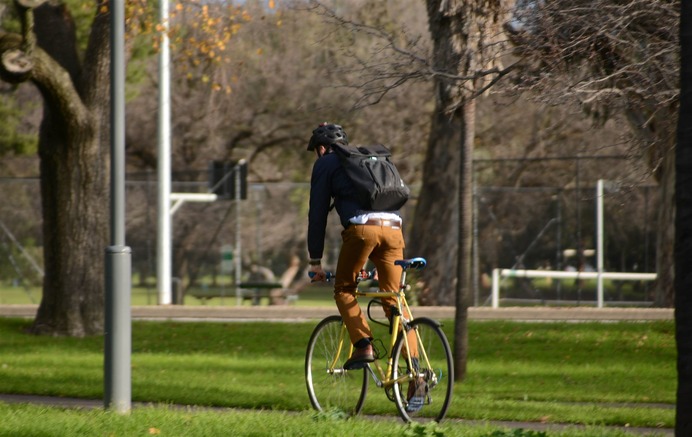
(118, 324)
(476, 266)
(558, 238)
(258, 222)
(118, 330)
(164, 260)
(599, 240)
(646, 229)
(495, 293)
(238, 247)
(580, 247)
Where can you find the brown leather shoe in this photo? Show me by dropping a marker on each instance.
(360, 358)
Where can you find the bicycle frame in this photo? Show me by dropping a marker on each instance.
(384, 377)
(422, 348)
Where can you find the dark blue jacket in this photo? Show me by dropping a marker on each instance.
(329, 180)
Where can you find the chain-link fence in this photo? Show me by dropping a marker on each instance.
(555, 228)
(533, 228)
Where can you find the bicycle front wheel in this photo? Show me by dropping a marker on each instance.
(427, 394)
(330, 387)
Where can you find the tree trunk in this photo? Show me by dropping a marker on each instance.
(465, 236)
(434, 231)
(442, 229)
(75, 153)
(655, 129)
(437, 210)
(683, 230)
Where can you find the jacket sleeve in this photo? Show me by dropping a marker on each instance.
(320, 198)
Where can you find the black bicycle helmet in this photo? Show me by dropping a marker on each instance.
(326, 134)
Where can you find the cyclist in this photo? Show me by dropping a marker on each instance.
(374, 235)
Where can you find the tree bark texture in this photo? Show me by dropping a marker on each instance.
(656, 130)
(464, 34)
(442, 230)
(461, 32)
(74, 152)
(683, 230)
(437, 207)
(465, 236)
(433, 233)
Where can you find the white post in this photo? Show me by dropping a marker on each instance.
(599, 241)
(179, 198)
(495, 297)
(164, 261)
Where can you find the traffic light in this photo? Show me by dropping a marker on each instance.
(223, 177)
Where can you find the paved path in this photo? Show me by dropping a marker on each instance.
(240, 313)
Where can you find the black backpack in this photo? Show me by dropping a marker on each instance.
(375, 177)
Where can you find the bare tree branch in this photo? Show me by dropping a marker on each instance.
(396, 59)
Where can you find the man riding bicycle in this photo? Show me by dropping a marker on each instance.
(374, 235)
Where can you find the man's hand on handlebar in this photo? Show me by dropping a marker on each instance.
(317, 274)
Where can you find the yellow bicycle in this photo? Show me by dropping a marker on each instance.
(419, 383)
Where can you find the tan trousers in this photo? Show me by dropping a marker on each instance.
(382, 245)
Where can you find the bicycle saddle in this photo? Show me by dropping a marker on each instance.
(413, 263)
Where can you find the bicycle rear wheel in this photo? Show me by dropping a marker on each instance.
(427, 396)
(330, 387)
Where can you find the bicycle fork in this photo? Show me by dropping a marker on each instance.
(333, 368)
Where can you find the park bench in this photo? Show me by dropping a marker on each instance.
(273, 292)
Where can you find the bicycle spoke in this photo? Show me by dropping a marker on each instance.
(427, 396)
(330, 387)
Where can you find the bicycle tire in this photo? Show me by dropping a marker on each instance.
(335, 390)
(437, 371)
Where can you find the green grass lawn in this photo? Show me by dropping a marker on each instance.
(31, 420)
(620, 374)
(24, 420)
